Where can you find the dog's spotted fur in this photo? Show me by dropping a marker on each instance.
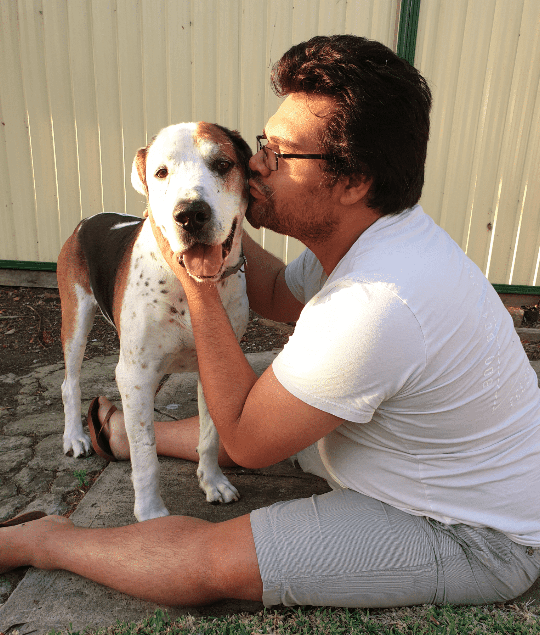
(195, 179)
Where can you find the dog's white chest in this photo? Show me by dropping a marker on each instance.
(155, 324)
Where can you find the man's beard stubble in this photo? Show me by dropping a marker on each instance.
(301, 223)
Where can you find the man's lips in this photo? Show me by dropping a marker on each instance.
(254, 190)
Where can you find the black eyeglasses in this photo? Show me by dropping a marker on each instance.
(271, 157)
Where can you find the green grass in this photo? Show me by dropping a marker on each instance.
(81, 475)
(508, 619)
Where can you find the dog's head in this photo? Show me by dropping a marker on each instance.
(194, 176)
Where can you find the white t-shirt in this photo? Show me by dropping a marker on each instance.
(409, 343)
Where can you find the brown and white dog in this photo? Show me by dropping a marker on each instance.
(194, 176)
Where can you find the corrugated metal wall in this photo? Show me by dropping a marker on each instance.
(84, 83)
(483, 170)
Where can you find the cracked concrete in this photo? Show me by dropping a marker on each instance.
(35, 474)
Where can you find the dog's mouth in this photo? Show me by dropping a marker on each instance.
(204, 261)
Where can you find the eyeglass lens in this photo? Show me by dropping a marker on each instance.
(270, 157)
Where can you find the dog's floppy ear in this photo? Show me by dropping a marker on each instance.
(138, 172)
(242, 148)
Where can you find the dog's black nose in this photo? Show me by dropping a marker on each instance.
(192, 215)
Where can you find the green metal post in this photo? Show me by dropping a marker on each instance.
(408, 28)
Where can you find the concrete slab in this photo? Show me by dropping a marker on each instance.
(46, 600)
(97, 378)
(57, 599)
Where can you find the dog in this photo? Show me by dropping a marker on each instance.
(194, 176)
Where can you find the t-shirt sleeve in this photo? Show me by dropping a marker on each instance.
(305, 276)
(355, 345)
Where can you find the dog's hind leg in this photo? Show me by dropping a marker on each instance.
(212, 481)
(78, 313)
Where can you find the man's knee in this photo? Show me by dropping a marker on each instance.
(232, 566)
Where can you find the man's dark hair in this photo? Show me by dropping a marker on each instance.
(380, 126)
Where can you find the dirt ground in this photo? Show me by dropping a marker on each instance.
(30, 323)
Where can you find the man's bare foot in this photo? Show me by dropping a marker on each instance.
(17, 543)
(114, 430)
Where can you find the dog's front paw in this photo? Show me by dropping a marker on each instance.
(148, 512)
(77, 445)
(217, 487)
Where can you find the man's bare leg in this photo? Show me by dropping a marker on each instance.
(174, 560)
(178, 439)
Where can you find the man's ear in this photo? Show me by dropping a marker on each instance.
(354, 189)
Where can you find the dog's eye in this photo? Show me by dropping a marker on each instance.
(162, 173)
(223, 166)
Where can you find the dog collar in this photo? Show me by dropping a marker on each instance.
(237, 267)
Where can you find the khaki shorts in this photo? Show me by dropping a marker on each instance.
(347, 549)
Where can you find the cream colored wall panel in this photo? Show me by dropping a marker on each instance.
(483, 64)
(515, 212)
(275, 243)
(7, 217)
(461, 177)
(104, 29)
(55, 30)
(253, 68)
(527, 254)
(180, 67)
(8, 111)
(359, 17)
(96, 79)
(440, 23)
(278, 34)
(204, 57)
(294, 249)
(40, 130)
(155, 65)
(332, 16)
(227, 93)
(305, 20)
(453, 58)
(279, 39)
(527, 257)
(383, 20)
(130, 81)
(17, 210)
(254, 78)
(484, 203)
(81, 61)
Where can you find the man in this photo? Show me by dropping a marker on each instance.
(404, 383)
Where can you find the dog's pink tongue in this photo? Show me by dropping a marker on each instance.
(203, 261)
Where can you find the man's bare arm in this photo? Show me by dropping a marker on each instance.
(268, 293)
(259, 421)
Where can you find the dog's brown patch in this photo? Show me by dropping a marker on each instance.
(71, 271)
(210, 132)
(232, 180)
(140, 164)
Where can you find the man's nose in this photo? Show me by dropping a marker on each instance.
(257, 164)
